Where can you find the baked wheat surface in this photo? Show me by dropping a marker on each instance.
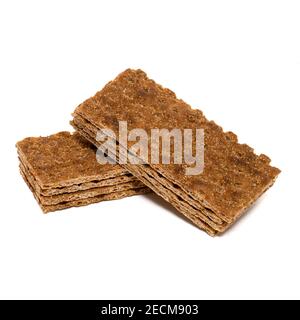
(233, 177)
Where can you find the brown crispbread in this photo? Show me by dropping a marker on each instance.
(64, 159)
(233, 177)
(103, 197)
(46, 161)
(83, 202)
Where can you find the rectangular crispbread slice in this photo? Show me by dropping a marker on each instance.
(233, 177)
(62, 172)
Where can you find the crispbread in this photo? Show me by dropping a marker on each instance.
(46, 161)
(233, 177)
(81, 194)
(64, 159)
(78, 203)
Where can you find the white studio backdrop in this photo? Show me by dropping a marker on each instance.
(238, 61)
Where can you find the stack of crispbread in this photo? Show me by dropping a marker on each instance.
(62, 171)
(233, 177)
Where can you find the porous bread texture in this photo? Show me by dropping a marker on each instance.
(62, 172)
(233, 177)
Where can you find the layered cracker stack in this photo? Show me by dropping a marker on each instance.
(233, 177)
(62, 172)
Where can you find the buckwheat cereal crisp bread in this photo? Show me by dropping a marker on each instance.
(62, 171)
(80, 194)
(233, 177)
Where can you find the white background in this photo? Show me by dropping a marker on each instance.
(238, 61)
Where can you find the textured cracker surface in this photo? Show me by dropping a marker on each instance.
(62, 172)
(234, 176)
(64, 159)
